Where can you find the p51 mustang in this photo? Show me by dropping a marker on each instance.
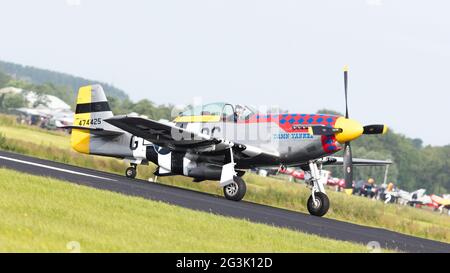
(219, 141)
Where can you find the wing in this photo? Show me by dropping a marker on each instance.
(168, 135)
(175, 138)
(334, 160)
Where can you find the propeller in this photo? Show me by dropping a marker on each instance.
(345, 89)
(348, 168)
(348, 163)
(345, 130)
(367, 130)
(374, 129)
(323, 130)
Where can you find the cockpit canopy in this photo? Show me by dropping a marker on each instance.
(226, 111)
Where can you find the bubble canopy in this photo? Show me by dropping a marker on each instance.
(222, 109)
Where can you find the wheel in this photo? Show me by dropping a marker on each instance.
(236, 190)
(130, 172)
(321, 206)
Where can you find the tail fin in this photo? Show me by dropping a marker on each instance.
(92, 108)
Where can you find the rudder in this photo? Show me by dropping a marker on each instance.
(91, 109)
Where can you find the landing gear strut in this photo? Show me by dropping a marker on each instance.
(131, 171)
(318, 203)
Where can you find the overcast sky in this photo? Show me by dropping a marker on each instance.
(284, 52)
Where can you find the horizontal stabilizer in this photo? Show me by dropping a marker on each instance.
(95, 131)
(334, 160)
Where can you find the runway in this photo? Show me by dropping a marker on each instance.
(218, 205)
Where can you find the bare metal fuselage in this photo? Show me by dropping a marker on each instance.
(270, 141)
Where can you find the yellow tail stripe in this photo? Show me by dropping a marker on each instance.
(85, 94)
(80, 138)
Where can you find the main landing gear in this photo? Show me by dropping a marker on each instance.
(131, 171)
(318, 203)
(236, 190)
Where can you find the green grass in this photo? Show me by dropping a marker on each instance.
(264, 190)
(36, 136)
(11, 129)
(40, 214)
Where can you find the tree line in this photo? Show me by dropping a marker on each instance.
(40, 76)
(119, 105)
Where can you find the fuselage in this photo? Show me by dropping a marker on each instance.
(271, 140)
(285, 136)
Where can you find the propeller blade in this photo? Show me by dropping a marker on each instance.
(323, 130)
(348, 168)
(345, 88)
(375, 129)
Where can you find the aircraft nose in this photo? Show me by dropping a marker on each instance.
(351, 129)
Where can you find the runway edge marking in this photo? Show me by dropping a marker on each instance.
(54, 168)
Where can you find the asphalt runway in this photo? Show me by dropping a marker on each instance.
(218, 205)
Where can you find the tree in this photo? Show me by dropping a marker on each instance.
(4, 79)
(329, 112)
(417, 142)
(145, 107)
(13, 101)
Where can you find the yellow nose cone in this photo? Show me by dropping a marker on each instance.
(351, 129)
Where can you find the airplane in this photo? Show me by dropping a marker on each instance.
(416, 198)
(220, 141)
(292, 172)
(46, 117)
(441, 202)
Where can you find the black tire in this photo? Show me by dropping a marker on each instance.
(130, 172)
(236, 190)
(323, 204)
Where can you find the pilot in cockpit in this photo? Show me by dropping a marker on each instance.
(238, 112)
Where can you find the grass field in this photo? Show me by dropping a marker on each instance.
(270, 191)
(39, 214)
(36, 136)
